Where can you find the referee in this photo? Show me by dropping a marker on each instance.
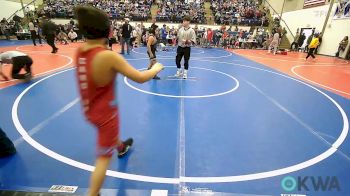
(186, 38)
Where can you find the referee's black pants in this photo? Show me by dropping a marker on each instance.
(183, 52)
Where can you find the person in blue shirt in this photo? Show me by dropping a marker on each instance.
(163, 34)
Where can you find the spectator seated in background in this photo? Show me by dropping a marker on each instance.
(135, 9)
(241, 12)
(72, 35)
(62, 37)
(8, 29)
(175, 10)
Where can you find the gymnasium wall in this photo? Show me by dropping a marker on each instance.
(9, 7)
(335, 31)
(38, 2)
(290, 5)
(315, 18)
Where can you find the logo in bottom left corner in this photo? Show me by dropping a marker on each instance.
(62, 189)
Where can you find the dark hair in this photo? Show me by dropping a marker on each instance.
(152, 30)
(93, 23)
(186, 18)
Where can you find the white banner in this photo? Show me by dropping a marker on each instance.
(313, 3)
(343, 10)
(62, 189)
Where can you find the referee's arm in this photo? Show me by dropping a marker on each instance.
(193, 36)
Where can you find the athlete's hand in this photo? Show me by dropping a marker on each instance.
(158, 67)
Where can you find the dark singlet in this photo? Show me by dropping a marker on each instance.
(153, 49)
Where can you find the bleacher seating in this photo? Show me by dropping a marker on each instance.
(137, 10)
(175, 10)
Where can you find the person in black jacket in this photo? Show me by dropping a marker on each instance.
(301, 40)
(6, 146)
(49, 31)
(308, 41)
(126, 34)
